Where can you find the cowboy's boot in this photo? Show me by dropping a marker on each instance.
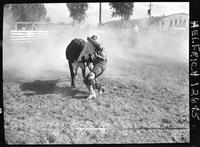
(100, 88)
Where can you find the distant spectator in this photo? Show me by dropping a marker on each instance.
(136, 28)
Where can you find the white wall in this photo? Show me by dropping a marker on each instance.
(174, 21)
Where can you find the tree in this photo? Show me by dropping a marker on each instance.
(122, 9)
(77, 11)
(7, 12)
(7, 21)
(28, 12)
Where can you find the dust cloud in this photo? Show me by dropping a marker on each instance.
(121, 44)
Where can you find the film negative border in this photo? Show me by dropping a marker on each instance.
(2, 137)
(194, 73)
(194, 68)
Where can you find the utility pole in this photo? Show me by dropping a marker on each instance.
(149, 12)
(100, 14)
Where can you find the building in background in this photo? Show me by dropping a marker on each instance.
(178, 21)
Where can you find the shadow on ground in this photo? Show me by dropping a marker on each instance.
(39, 87)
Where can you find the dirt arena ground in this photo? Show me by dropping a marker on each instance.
(147, 100)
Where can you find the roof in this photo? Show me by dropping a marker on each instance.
(158, 18)
(175, 14)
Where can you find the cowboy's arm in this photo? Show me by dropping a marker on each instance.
(101, 56)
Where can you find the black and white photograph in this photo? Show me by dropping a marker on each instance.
(96, 73)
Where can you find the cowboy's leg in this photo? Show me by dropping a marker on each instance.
(91, 83)
(98, 70)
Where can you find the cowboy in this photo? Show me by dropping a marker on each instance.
(99, 61)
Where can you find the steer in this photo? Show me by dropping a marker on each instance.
(79, 52)
(73, 52)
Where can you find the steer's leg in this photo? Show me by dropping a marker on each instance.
(76, 71)
(73, 85)
(83, 69)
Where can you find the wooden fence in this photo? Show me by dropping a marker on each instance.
(28, 36)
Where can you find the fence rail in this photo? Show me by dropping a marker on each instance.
(25, 36)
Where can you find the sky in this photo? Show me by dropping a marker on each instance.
(58, 12)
